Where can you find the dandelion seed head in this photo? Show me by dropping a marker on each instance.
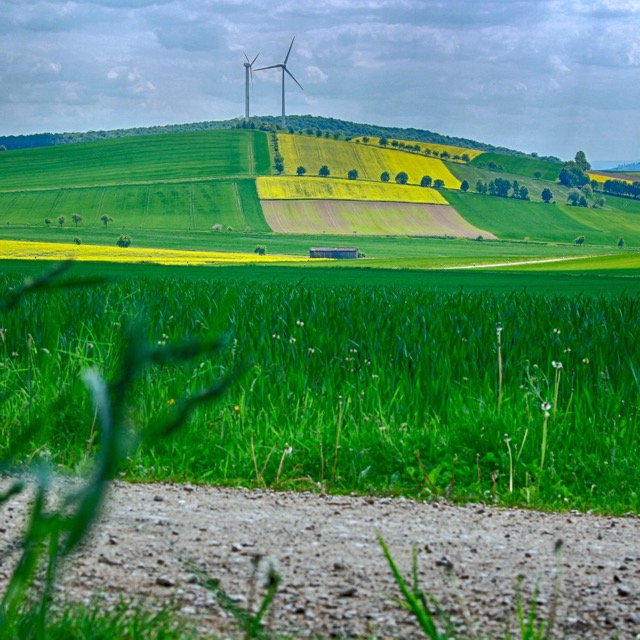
(556, 364)
(545, 406)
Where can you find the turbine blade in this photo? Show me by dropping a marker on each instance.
(253, 60)
(246, 57)
(273, 66)
(288, 52)
(291, 74)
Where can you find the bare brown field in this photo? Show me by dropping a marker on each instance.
(345, 217)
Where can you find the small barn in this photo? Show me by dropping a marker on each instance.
(342, 253)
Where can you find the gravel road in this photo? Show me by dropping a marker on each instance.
(335, 580)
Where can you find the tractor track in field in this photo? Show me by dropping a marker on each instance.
(335, 579)
(524, 262)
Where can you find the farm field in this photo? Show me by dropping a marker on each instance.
(359, 218)
(370, 161)
(304, 188)
(177, 156)
(510, 219)
(441, 274)
(393, 250)
(603, 176)
(168, 205)
(20, 250)
(420, 377)
(522, 166)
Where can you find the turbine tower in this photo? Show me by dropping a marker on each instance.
(248, 71)
(283, 66)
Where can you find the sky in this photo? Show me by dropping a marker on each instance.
(545, 76)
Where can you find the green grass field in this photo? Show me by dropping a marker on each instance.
(516, 220)
(176, 156)
(168, 205)
(526, 167)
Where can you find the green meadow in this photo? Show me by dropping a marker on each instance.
(166, 205)
(517, 220)
(521, 166)
(178, 156)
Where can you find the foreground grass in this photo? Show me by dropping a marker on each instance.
(374, 389)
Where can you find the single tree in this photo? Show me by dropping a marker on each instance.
(426, 181)
(106, 219)
(123, 241)
(384, 142)
(465, 157)
(620, 243)
(438, 183)
(402, 177)
(583, 202)
(261, 249)
(353, 174)
(580, 240)
(581, 161)
(587, 191)
(574, 197)
(76, 218)
(523, 193)
(464, 186)
(301, 171)
(445, 155)
(365, 139)
(481, 186)
(47, 221)
(546, 195)
(599, 203)
(61, 220)
(384, 176)
(77, 240)
(537, 174)
(324, 171)
(279, 166)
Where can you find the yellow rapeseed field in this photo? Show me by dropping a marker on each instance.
(23, 250)
(303, 188)
(431, 146)
(369, 160)
(602, 178)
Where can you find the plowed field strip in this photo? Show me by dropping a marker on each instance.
(374, 218)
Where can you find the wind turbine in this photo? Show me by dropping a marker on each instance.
(248, 71)
(283, 66)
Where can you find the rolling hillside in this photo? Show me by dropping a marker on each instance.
(184, 156)
(206, 185)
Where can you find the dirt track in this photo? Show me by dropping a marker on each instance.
(335, 580)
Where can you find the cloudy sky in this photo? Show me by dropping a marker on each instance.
(551, 76)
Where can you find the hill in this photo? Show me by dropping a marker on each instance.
(201, 186)
(305, 123)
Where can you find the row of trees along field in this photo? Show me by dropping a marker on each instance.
(402, 177)
(503, 188)
(77, 218)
